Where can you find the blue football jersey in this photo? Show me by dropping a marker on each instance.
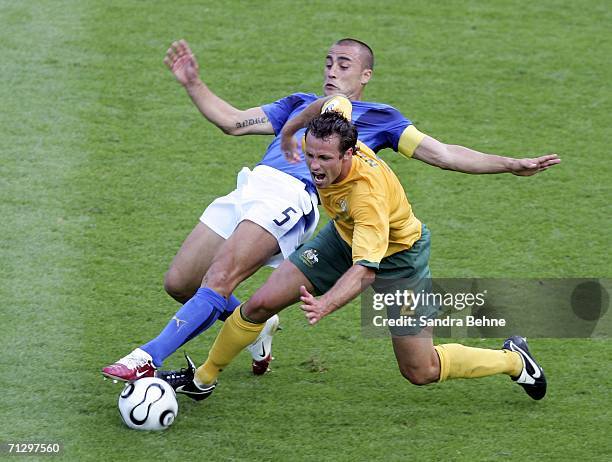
(379, 126)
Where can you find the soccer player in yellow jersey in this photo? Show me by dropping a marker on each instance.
(273, 208)
(372, 237)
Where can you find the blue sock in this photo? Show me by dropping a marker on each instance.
(195, 316)
(232, 303)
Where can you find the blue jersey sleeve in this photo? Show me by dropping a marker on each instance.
(395, 127)
(380, 126)
(280, 111)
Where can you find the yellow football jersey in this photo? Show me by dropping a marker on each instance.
(370, 209)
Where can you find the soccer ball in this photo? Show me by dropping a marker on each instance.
(148, 404)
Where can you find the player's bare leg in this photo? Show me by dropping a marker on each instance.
(248, 248)
(181, 282)
(281, 290)
(234, 259)
(191, 262)
(421, 362)
(263, 306)
(208, 260)
(416, 357)
(227, 262)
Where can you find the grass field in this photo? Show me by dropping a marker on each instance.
(105, 166)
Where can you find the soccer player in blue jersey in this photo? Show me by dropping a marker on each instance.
(274, 206)
(272, 210)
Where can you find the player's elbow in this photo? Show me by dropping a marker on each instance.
(238, 123)
(367, 274)
(230, 123)
(369, 277)
(229, 129)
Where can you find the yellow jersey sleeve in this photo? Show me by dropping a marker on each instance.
(371, 229)
(409, 140)
(339, 104)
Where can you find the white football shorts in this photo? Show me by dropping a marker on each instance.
(274, 200)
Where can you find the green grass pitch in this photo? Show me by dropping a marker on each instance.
(105, 167)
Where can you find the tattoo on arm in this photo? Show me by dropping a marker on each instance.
(249, 122)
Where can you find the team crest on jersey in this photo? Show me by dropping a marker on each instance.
(343, 205)
(310, 257)
(371, 162)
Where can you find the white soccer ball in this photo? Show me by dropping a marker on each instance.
(148, 404)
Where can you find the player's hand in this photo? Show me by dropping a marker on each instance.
(289, 147)
(528, 167)
(313, 309)
(182, 63)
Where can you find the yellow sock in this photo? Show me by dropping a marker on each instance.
(462, 362)
(234, 336)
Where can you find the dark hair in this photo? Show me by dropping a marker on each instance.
(365, 48)
(332, 123)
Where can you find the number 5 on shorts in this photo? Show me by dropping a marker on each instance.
(284, 220)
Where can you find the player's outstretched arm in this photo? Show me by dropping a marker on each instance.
(183, 64)
(466, 160)
(351, 284)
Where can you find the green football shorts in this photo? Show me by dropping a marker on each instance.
(326, 257)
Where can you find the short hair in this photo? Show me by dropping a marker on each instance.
(332, 123)
(365, 50)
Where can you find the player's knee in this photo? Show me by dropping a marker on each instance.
(258, 308)
(420, 375)
(177, 287)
